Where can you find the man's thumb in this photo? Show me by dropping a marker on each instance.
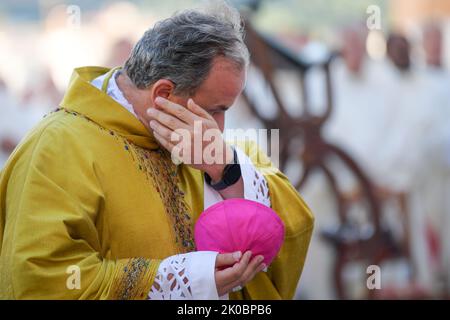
(227, 259)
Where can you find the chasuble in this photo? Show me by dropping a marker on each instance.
(90, 188)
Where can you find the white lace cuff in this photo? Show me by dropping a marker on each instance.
(255, 185)
(189, 276)
(202, 266)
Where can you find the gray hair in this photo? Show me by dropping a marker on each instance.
(182, 48)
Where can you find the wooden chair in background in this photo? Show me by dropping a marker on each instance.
(350, 243)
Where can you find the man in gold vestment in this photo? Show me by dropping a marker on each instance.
(92, 205)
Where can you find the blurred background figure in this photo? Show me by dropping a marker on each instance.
(433, 45)
(398, 51)
(388, 96)
(119, 53)
(358, 97)
(19, 114)
(436, 180)
(8, 140)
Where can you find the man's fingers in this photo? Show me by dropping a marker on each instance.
(195, 108)
(165, 143)
(176, 110)
(227, 259)
(230, 274)
(166, 119)
(256, 265)
(235, 272)
(165, 132)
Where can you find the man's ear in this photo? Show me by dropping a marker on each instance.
(162, 88)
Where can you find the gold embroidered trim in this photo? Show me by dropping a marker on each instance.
(134, 279)
(158, 167)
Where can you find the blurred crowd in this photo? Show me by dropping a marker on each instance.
(38, 58)
(392, 117)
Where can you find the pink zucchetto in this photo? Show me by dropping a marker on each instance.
(240, 225)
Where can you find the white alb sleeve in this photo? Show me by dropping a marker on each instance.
(188, 276)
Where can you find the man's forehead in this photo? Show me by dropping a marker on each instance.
(222, 86)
